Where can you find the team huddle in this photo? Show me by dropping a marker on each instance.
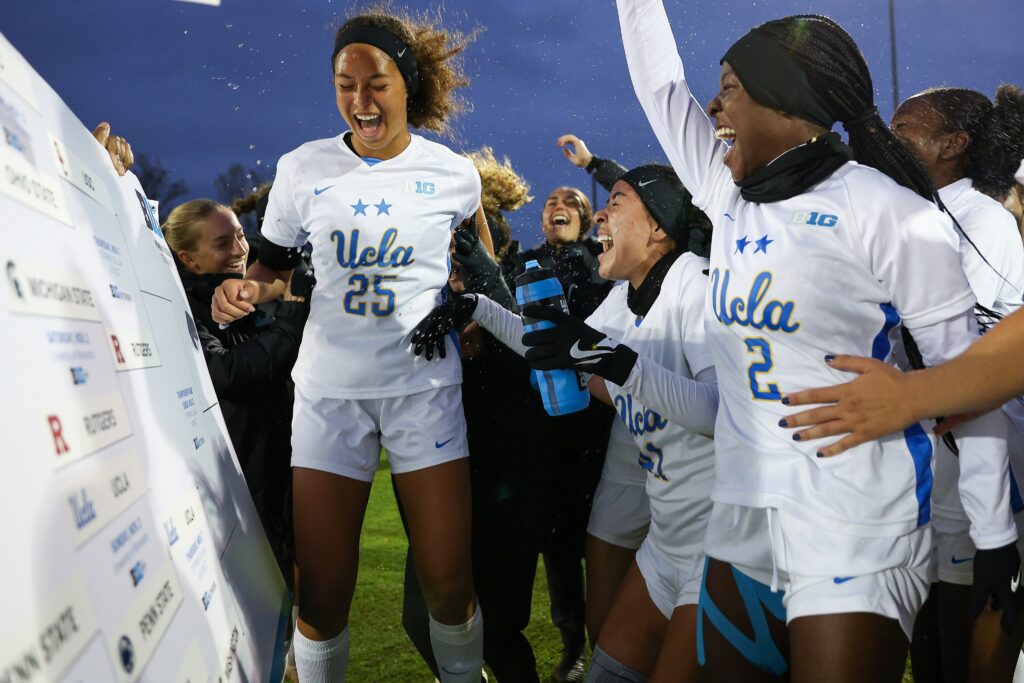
(727, 545)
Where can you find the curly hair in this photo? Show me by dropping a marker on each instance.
(250, 202)
(502, 187)
(995, 132)
(438, 54)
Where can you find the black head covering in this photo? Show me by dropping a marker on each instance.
(386, 42)
(664, 197)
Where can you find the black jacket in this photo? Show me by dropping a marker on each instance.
(250, 363)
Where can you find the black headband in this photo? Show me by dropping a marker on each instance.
(388, 43)
(664, 197)
(774, 79)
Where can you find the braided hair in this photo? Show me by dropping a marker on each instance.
(995, 132)
(836, 69)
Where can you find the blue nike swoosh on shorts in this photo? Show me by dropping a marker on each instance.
(442, 444)
(954, 559)
(842, 579)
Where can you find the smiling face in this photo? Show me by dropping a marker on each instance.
(920, 128)
(757, 134)
(221, 246)
(563, 216)
(372, 99)
(630, 237)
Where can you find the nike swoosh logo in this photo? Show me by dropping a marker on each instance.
(589, 355)
(1015, 582)
(454, 673)
(647, 183)
(730, 218)
(442, 444)
(318, 191)
(842, 579)
(402, 53)
(961, 560)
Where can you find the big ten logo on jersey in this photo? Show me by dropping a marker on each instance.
(822, 220)
(419, 187)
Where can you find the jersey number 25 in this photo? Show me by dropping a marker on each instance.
(360, 285)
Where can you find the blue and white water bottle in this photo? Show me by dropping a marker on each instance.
(562, 391)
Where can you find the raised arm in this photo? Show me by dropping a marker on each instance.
(684, 131)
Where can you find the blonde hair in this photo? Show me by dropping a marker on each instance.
(180, 227)
(501, 187)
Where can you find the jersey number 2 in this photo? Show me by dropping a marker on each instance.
(771, 391)
(360, 284)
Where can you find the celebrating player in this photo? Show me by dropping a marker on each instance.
(970, 150)
(377, 204)
(815, 254)
(662, 385)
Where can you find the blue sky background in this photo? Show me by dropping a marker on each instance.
(202, 87)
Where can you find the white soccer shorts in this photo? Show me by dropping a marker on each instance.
(620, 514)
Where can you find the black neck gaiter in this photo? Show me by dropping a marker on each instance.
(640, 299)
(796, 171)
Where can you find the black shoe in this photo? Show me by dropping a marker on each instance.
(570, 669)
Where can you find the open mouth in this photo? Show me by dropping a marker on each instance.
(559, 220)
(725, 133)
(236, 265)
(606, 243)
(368, 125)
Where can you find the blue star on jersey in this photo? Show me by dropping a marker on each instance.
(382, 208)
(762, 244)
(359, 207)
(741, 244)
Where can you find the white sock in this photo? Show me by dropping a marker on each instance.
(321, 661)
(459, 650)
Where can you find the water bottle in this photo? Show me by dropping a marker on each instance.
(562, 391)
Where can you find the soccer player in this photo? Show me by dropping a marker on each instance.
(661, 382)
(378, 204)
(970, 149)
(814, 254)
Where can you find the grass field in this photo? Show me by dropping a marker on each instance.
(380, 649)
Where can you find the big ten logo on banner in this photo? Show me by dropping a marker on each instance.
(44, 643)
(96, 494)
(194, 557)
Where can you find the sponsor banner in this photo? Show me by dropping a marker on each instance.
(20, 181)
(43, 646)
(109, 490)
(133, 643)
(35, 289)
(78, 173)
(193, 668)
(77, 428)
(15, 72)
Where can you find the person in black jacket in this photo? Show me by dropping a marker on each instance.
(250, 361)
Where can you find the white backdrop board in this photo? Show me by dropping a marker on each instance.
(132, 548)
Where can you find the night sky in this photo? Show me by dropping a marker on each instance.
(201, 87)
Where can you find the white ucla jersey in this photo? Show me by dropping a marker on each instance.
(998, 285)
(621, 464)
(380, 235)
(679, 463)
(834, 270)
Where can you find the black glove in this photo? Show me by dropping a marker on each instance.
(430, 334)
(481, 273)
(571, 343)
(997, 576)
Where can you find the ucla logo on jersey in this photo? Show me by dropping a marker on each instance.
(384, 255)
(419, 187)
(640, 421)
(821, 220)
(755, 310)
